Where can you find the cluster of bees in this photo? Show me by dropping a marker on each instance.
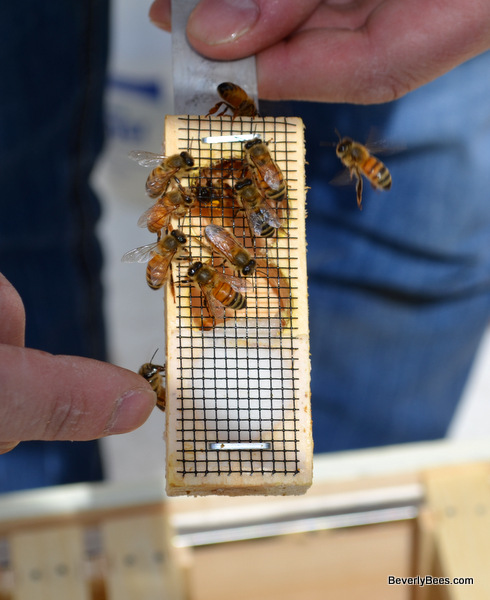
(253, 183)
(258, 189)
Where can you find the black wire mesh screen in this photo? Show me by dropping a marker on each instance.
(238, 384)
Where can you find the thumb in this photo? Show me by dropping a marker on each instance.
(12, 312)
(47, 397)
(231, 29)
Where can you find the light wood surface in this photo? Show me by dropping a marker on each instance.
(458, 497)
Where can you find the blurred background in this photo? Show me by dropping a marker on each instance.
(138, 97)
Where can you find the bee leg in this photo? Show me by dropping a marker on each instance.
(183, 283)
(223, 112)
(359, 192)
(215, 109)
(237, 210)
(172, 286)
(204, 323)
(223, 261)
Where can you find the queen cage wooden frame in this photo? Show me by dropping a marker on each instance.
(238, 417)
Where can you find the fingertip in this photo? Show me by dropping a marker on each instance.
(13, 315)
(7, 446)
(48, 397)
(218, 22)
(131, 410)
(160, 14)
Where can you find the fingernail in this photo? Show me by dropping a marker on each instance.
(7, 446)
(165, 25)
(159, 15)
(221, 21)
(132, 409)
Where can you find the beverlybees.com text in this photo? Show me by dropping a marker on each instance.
(429, 580)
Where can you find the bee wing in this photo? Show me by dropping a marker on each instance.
(145, 217)
(239, 284)
(223, 240)
(375, 145)
(162, 180)
(143, 220)
(272, 176)
(140, 254)
(270, 216)
(342, 178)
(156, 186)
(158, 271)
(255, 219)
(216, 309)
(147, 159)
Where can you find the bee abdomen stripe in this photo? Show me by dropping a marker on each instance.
(239, 301)
(229, 297)
(384, 178)
(267, 231)
(377, 172)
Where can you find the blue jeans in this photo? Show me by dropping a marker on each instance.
(52, 74)
(400, 291)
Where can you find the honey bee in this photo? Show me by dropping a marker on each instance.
(262, 219)
(212, 185)
(175, 203)
(160, 255)
(153, 374)
(226, 244)
(226, 168)
(236, 99)
(266, 173)
(220, 291)
(165, 168)
(207, 194)
(359, 161)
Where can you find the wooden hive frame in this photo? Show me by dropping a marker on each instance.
(238, 415)
(408, 511)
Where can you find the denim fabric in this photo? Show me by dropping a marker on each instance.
(399, 293)
(52, 73)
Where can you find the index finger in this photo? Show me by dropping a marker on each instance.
(48, 397)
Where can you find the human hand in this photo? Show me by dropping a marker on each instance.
(358, 51)
(47, 397)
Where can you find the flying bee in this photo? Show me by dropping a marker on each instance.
(236, 99)
(226, 244)
(175, 203)
(262, 219)
(220, 291)
(359, 161)
(267, 175)
(153, 374)
(165, 168)
(159, 256)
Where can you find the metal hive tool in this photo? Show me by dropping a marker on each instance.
(238, 399)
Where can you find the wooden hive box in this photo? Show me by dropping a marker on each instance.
(371, 521)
